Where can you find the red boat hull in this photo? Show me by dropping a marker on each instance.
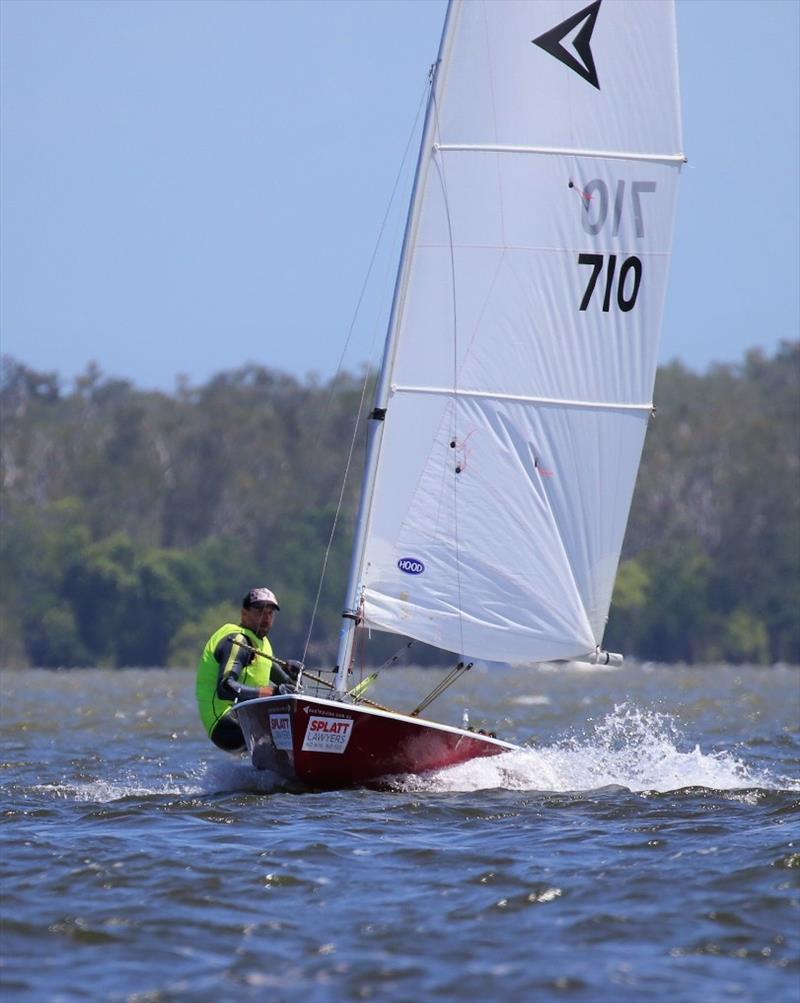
(327, 744)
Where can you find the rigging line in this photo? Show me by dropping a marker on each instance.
(441, 686)
(336, 515)
(359, 413)
(395, 186)
(439, 163)
(393, 658)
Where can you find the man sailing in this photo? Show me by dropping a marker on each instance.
(231, 669)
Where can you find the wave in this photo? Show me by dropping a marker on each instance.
(640, 750)
(218, 777)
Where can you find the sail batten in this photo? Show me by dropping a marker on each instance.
(522, 399)
(678, 159)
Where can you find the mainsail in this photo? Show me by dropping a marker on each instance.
(518, 375)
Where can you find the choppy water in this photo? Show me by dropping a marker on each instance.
(646, 846)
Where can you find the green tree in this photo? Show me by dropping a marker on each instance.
(103, 589)
(186, 644)
(632, 591)
(36, 547)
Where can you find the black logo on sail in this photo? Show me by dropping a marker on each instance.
(581, 60)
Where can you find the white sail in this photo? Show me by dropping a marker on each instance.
(518, 380)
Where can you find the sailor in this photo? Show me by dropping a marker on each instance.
(233, 668)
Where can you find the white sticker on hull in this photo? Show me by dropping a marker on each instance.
(281, 727)
(327, 734)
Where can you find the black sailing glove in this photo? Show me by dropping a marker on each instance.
(294, 668)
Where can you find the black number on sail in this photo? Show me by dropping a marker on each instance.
(626, 300)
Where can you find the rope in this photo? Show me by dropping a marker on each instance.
(437, 691)
(365, 383)
(308, 675)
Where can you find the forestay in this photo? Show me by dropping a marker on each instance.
(519, 369)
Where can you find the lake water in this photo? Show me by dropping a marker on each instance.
(646, 846)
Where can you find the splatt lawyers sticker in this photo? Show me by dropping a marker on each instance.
(327, 734)
(281, 728)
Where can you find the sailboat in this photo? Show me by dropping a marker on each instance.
(518, 370)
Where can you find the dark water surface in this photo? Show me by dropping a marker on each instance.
(646, 847)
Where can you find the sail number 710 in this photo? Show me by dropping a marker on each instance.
(618, 279)
(628, 280)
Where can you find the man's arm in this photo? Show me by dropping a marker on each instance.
(233, 659)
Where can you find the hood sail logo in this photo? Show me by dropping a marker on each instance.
(550, 41)
(411, 565)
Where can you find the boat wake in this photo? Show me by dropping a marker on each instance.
(224, 776)
(640, 750)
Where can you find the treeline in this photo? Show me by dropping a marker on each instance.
(132, 521)
(711, 564)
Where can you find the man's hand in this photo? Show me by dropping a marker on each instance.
(252, 692)
(294, 668)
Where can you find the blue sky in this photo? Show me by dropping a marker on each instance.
(189, 186)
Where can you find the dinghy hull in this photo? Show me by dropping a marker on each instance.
(327, 744)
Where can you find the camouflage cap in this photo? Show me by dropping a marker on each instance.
(258, 598)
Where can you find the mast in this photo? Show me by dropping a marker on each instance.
(377, 417)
